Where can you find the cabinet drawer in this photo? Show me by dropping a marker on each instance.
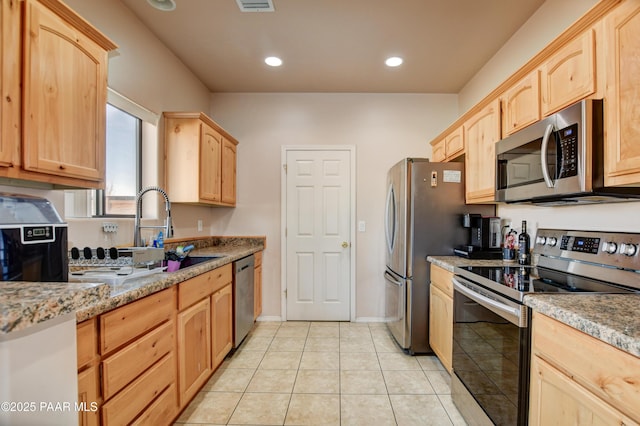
(125, 406)
(130, 321)
(580, 356)
(87, 342)
(161, 411)
(441, 278)
(122, 367)
(197, 288)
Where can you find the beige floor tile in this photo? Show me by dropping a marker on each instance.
(325, 331)
(287, 344)
(210, 407)
(243, 359)
(332, 324)
(360, 361)
(398, 361)
(362, 382)
(256, 343)
(354, 345)
(419, 410)
(354, 332)
(317, 381)
(366, 410)
(440, 380)
(292, 332)
(320, 361)
(322, 344)
(429, 362)
(261, 409)
(407, 382)
(309, 409)
(229, 380)
(386, 344)
(275, 381)
(452, 410)
(281, 361)
(295, 324)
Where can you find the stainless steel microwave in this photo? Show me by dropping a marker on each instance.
(558, 160)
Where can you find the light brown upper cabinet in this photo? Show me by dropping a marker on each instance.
(200, 160)
(481, 132)
(622, 109)
(449, 147)
(521, 104)
(60, 135)
(569, 75)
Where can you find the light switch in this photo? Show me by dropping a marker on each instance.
(362, 226)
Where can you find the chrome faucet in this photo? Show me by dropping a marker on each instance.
(168, 226)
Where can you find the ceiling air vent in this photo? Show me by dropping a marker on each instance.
(256, 5)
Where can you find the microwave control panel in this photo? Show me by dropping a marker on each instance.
(568, 151)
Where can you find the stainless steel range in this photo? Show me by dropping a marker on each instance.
(492, 335)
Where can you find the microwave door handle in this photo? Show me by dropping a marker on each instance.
(543, 155)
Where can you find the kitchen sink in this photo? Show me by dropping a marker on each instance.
(194, 260)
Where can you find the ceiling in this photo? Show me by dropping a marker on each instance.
(337, 45)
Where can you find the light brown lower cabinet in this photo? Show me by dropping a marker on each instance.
(222, 319)
(194, 349)
(257, 285)
(441, 315)
(89, 398)
(577, 379)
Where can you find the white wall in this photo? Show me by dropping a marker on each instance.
(384, 129)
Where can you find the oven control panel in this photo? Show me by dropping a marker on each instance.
(615, 249)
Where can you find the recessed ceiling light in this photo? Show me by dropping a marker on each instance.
(165, 5)
(273, 61)
(393, 61)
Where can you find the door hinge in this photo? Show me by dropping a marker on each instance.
(285, 293)
(285, 232)
(284, 166)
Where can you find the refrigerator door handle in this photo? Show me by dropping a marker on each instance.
(390, 278)
(390, 225)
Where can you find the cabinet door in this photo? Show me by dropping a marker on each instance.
(257, 292)
(441, 325)
(556, 399)
(9, 83)
(88, 397)
(521, 104)
(454, 143)
(194, 349)
(65, 88)
(569, 75)
(228, 172)
(622, 115)
(481, 132)
(222, 320)
(210, 162)
(438, 153)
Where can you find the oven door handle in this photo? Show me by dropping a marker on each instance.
(543, 156)
(512, 314)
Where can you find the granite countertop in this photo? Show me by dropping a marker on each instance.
(611, 318)
(24, 304)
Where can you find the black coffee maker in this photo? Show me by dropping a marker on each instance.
(483, 237)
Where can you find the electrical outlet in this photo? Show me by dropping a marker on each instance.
(109, 227)
(199, 225)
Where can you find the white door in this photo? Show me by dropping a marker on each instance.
(318, 235)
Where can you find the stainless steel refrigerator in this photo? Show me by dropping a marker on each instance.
(424, 208)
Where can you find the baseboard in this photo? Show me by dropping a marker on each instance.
(369, 319)
(269, 318)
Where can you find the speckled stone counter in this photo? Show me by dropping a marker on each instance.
(23, 304)
(613, 319)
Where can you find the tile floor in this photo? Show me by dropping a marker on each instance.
(316, 373)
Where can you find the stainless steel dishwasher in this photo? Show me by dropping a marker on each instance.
(242, 298)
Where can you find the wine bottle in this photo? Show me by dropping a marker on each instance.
(524, 243)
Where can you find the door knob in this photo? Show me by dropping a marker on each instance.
(345, 244)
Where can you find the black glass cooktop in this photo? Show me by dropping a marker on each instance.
(517, 280)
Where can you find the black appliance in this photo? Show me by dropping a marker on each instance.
(492, 334)
(483, 238)
(33, 240)
(558, 160)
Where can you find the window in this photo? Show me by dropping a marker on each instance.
(123, 168)
(131, 146)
